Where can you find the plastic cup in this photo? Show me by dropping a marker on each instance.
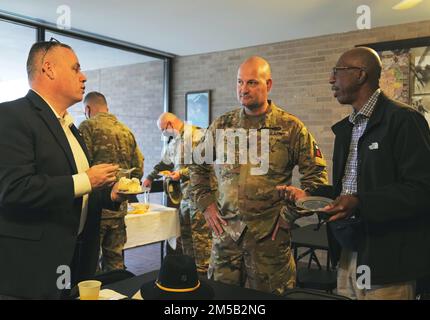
(146, 198)
(89, 290)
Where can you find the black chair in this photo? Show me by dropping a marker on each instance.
(312, 277)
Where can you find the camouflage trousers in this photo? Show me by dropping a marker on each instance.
(263, 265)
(185, 241)
(202, 241)
(113, 237)
(195, 236)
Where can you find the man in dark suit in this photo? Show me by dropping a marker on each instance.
(381, 185)
(49, 196)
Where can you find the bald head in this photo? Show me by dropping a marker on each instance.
(260, 65)
(254, 82)
(368, 59)
(167, 118)
(356, 77)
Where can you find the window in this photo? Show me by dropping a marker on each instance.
(15, 41)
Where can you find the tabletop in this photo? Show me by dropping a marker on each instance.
(157, 224)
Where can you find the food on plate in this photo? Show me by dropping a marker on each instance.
(165, 173)
(129, 185)
(138, 208)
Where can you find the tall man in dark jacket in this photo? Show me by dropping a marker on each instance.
(381, 182)
(49, 210)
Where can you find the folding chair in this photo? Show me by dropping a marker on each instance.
(310, 277)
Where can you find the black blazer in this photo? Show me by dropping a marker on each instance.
(393, 182)
(39, 216)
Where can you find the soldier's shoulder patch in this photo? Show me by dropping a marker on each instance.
(317, 151)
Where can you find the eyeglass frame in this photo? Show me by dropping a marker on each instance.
(52, 42)
(336, 69)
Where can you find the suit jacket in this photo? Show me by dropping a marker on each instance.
(393, 184)
(39, 215)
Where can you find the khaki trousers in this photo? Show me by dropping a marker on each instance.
(347, 283)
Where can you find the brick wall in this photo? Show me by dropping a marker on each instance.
(300, 76)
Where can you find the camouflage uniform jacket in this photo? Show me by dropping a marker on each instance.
(110, 141)
(249, 200)
(174, 156)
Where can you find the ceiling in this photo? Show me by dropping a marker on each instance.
(187, 27)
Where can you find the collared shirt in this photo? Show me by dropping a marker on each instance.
(359, 120)
(81, 182)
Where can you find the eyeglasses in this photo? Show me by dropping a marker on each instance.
(336, 69)
(51, 43)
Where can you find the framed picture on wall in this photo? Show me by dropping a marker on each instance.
(422, 71)
(400, 82)
(395, 75)
(197, 108)
(421, 103)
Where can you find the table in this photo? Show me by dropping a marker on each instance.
(158, 224)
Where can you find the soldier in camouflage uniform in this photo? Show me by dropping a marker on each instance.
(251, 240)
(110, 141)
(195, 234)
